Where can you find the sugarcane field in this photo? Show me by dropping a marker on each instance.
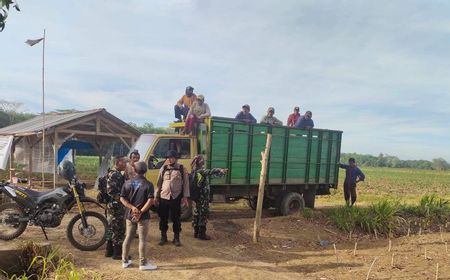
(176, 139)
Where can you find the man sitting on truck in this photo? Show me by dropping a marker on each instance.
(184, 104)
(197, 114)
(245, 116)
(306, 121)
(270, 119)
(353, 175)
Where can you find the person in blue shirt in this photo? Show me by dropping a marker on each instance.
(353, 175)
(245, 116)
(305, 121)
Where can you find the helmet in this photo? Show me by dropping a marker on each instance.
(171, 153)
(67, 170)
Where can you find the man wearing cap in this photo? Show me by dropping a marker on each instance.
(245, 116)
(270, 119)
(292, 119)
(172, 192)
(137, 196)
(197, 114)
(184, 104)
(305, 122)
(353, 175)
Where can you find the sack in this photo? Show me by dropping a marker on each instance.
(194, 189)
(102, 184)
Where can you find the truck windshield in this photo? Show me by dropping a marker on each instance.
(143, 144)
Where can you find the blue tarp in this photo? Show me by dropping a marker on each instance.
(74, 145)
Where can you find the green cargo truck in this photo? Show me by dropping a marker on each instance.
(301, 165)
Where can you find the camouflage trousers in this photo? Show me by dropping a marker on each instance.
(116, 222)
(200, 213)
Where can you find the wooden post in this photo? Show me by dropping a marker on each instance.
(30, 161)
(262, 183)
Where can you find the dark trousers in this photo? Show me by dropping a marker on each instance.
(183, 111)
(170, 207)
(350, 192)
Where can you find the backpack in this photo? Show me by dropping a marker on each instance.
(102, 184)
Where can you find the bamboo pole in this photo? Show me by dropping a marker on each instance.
(262, 182)
(43, 112)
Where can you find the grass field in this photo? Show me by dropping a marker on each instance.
(407, 185)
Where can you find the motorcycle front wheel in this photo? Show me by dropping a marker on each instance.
(12, 221)
(91, 236)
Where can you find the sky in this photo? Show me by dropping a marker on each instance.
(377, 70)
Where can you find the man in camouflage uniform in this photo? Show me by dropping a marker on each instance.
(116, 211)
(201, 178)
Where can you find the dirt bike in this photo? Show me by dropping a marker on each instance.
(86, 230)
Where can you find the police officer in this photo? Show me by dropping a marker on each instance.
(115, 209)
(200, 181)
(172, 192)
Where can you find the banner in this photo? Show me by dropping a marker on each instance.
(5, 149)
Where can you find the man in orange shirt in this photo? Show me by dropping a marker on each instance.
(293, 117)
(184, 104)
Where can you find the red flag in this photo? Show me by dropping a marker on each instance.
(33, 42)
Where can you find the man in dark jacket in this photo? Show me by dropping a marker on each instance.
(353, 175)
(245, 116)
(305, 121)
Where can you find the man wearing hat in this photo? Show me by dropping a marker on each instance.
(197, 114)
(184, 104)
(292, 119)
(270, 119)
(172, 191)
(305, 122)
(245, 116)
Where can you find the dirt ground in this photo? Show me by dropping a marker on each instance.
(289, 249)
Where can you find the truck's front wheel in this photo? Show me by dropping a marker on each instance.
(291, 203)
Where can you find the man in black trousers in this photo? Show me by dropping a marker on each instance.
(172, 192)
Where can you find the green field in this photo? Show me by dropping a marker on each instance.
(407, 185)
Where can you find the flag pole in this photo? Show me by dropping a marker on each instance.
(43, 111)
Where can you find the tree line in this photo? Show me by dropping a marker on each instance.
(384, 160)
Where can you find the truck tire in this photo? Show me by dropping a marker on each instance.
(253, 200)
(291, 203)
(309, 196)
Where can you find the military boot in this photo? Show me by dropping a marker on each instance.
(109, 249)
(176, 239)
(117, 252)
(196, 231)
(163, 238)
(202, 233)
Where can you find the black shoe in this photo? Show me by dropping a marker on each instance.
(117, 252)
(163, 239)
(202, 234)
(109, 249)
(196, 232)
(176, 239)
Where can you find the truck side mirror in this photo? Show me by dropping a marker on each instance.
(151, 162)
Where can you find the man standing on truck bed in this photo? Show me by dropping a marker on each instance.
(353, 175)
(245, 116)
(305, 122)
(270, 119)
(292, 119)
(184, 104)
(172, 192)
